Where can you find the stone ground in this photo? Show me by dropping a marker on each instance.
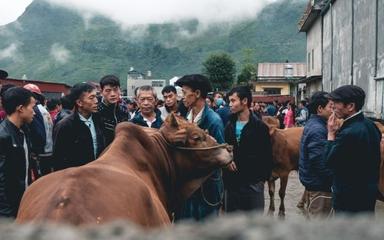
(293, 196)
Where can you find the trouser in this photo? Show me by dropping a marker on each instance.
(44, 164)
(205, 201)
(362, 199)
(319, 204)
(246, 197)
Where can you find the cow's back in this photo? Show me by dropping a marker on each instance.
(285, 147)
(90, 194)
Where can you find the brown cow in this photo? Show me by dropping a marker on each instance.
(141, 177)
(381, 180)
(285, 152)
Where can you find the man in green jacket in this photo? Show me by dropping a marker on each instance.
(352, 152)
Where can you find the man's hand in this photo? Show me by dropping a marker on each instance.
(333, 126)
(232, 167)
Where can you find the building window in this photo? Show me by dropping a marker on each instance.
(274, 91)
(313, 60)
(157, 83)
(309, 62)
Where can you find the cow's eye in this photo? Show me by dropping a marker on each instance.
(196, 138)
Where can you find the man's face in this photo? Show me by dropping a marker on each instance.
(170, 99)
(342, 110)
(147, 102)
(325, 112)
(237, 105)
(88, 102)
(111, 94)
(190, 97)
(26, 112)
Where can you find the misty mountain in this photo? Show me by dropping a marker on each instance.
(58, 44)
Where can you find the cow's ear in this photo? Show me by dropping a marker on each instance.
(173, 121)
(271, 130)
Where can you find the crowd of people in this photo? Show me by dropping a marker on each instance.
(38, 137)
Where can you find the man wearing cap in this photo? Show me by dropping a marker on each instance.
(207, 199)
(352, 152)
(41, 132)
(314, 174)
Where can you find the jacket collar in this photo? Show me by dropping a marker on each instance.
(354, 118)
(318, 118)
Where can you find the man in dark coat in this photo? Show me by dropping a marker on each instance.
(352, 152)
(314, 174)
(78, 138)
(252, 166)
(15, 148)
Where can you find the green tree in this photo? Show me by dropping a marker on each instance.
(247, 73)
(220, 68)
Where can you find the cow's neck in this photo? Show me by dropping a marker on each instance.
(147, 157)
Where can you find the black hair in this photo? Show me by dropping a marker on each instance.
(52, 104)
(78, 90)
(220, 93)
(39, 98)
(303, 102)
(5, 87)
(317, 99)
(168, 89)
(66, 102)
(14, 97)
(242, 92)
(196, 82)
(111, 80)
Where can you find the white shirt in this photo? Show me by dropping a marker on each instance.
(352, 116)
(48, 125)
(26, 160)
(89, 123)
(149, 122)
(197, 118)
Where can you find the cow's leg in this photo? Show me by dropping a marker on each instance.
(271, 191)
(283, 187)
(303, 200)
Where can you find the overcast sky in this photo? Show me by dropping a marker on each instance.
(131, 12)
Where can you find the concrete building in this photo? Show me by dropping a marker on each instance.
(278, 78)
(137, 79)
(350, 35)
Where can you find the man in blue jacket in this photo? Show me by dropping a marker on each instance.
(352, 152)
(206, 200)
(313, 172)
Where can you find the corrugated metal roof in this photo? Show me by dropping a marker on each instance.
(278, 69)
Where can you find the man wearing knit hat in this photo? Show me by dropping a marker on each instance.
(352, 152)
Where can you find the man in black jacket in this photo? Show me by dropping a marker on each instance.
(78, 138)
(352, 152)
(252, 166)
(110, 109)
(15, 149)
(314, 174)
